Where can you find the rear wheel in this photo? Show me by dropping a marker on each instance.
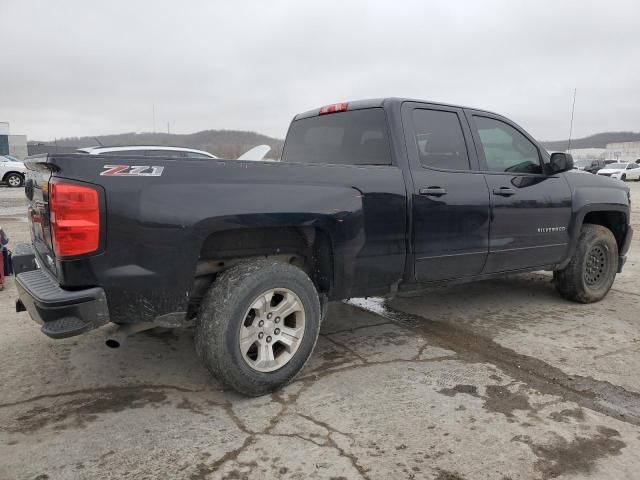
(14, 180)
(258, 325)
(590, 273)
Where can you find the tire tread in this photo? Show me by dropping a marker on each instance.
(569, 281)
(219, 309)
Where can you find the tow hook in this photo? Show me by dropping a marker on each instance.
(116, 335)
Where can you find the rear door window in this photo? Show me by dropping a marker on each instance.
(439, 139)
(357, 137)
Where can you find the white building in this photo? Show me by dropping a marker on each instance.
(623, 151)
(15, 145)
(589, 153)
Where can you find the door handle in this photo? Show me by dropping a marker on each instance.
(433, 191)
(504, 191)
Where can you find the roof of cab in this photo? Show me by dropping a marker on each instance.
(381, 102)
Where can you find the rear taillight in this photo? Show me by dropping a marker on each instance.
(336, 107)
(75, 219)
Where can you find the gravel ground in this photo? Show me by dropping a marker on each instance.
(495, 380)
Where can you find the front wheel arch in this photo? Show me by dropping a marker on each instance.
(612, 216)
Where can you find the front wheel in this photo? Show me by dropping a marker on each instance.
(623, 177)
(258, 325)
(590, 273)
(14, 180)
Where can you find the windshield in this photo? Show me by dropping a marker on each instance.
(582, 163)
(617, 165)
(12, 158)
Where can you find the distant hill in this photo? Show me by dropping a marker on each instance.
(222, 143)
(233, 143)
(599, 140)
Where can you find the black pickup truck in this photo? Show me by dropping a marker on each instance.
(370, 197)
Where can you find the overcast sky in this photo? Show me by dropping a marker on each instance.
(78, 67)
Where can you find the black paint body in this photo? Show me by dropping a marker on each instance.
(383, 232)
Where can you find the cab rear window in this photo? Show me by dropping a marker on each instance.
(357, 137)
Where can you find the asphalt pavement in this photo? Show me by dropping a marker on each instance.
(500, 379)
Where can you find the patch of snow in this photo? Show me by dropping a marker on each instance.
(372, 304)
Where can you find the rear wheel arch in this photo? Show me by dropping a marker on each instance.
(13, 172)
(308, 248)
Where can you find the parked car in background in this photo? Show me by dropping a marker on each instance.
(622, 171)
(12, 171)
(591, 166)
(148, 151)
(256, 153)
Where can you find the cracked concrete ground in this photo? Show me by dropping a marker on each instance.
(495, 380)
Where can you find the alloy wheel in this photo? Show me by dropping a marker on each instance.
(14, 181)
(272, 330)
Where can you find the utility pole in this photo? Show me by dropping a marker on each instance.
(573, 108)
(168, 127)
(154, 117)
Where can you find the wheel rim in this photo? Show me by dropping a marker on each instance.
(13, 180)
(596, 266)
(272, 330)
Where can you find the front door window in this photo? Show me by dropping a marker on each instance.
(505, 148)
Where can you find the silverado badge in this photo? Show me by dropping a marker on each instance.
(551, 229)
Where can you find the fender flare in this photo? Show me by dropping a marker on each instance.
(4, 177)
(578, 220)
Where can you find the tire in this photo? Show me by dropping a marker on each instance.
(227, 311)
(14, 180)
(623, 177)
(590, 273)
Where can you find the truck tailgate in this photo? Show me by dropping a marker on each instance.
(37, 192)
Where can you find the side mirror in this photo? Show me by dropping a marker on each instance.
(560, 162)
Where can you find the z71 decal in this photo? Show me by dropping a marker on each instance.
(132, 171)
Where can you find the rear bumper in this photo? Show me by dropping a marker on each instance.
(62, 313)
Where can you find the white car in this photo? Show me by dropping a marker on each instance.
(148, 151)
(256, 153)
(12, 171)
(622, 171)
